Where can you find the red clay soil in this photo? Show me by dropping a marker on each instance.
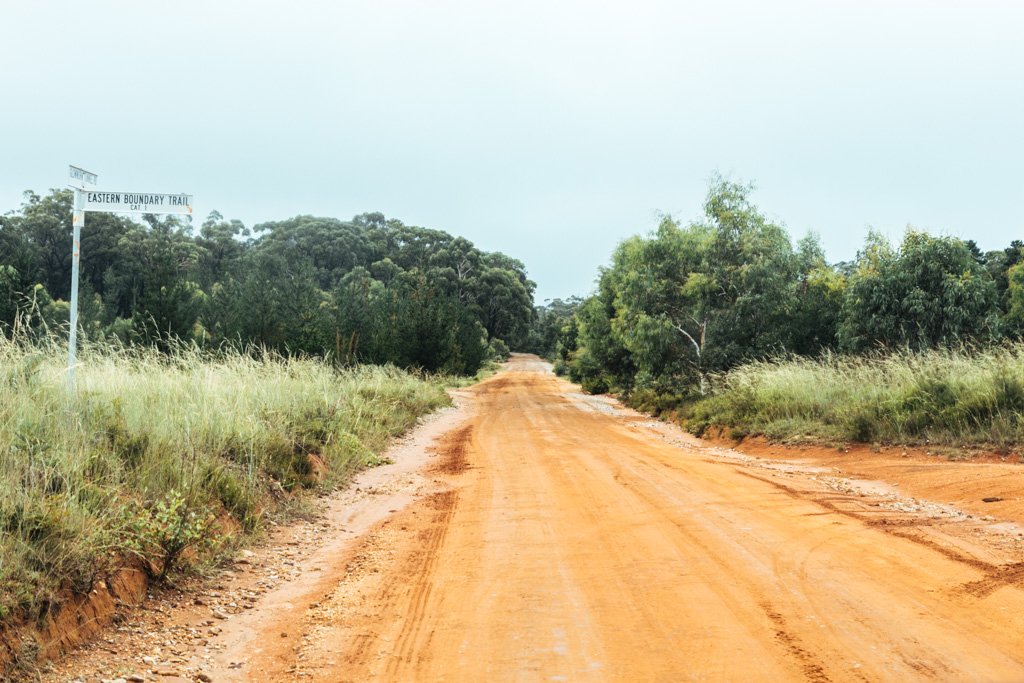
(77, 620)
(919, 473)
(576, 542)
(557, 536)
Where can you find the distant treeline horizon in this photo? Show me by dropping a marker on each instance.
(370, 290)
(689, 301)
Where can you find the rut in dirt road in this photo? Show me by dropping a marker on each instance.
(568, 543)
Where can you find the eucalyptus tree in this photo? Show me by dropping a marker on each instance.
(663, 301)
(692, 299)
(504, 299)
(931, 291)
(163, 259)
(10, 297)
(1014, 300)
(223, 243)
(819, 292)
(37, 241)
(601, 362)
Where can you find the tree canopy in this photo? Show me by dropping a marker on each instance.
(370, 289)
(691, 300)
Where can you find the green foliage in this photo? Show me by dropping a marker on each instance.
(37, 241)
(162, 534)
(930, 292)
(820, 292)
(553, 329)
(156, 444)
(601, 362)
(954, 397)
(498, 351)
(10, 294)
(693, 301)
(1015, 299)
(366, 290)
(504, 299)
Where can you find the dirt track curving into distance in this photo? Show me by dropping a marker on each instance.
(558, 537)
(573, 544)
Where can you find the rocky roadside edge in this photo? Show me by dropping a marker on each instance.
(177, 632)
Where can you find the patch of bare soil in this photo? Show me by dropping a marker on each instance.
(211, 629)
(77, 619)
(987, 487)
(549, 536)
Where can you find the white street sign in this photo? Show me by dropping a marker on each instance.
(81, 179)
(138, 202)
(88, 198)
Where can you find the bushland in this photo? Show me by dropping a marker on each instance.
(961, 397)
(726, 321)
(156, 455)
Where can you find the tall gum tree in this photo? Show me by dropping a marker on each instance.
(690, 300)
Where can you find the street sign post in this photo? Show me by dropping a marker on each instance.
(88, 198)
(77, 221)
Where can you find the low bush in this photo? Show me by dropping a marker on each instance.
(497, 350)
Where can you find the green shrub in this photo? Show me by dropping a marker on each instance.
(497, 350)
(162, 533)
(595, 384)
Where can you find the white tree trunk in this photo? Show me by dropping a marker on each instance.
(698, 347)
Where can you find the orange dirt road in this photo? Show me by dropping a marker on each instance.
(565, 539)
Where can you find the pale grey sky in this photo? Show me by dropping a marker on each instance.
(546, 130)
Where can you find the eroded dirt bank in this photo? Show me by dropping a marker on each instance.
(559, 537)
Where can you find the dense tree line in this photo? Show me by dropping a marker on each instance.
(554, 329)
(691, 300)
(366, 290)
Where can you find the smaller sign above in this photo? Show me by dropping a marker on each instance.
(81, 179)
(138, 202)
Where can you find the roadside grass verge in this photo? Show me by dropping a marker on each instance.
(487, 370)
(956, 397)
(158, 460)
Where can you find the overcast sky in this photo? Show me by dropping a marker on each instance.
(546, 130)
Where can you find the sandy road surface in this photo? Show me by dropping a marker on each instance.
(558, 537)
(572, 544)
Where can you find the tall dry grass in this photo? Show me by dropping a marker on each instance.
(148, 453)
(955, 397)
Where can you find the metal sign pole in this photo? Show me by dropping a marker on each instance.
(87, 198)
(77, 221)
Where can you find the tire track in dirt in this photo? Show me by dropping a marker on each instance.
(451, 450)
(813, 671)
(423, 573)
(452, 453)
(383, 571)
(561, 538)
(998, 575)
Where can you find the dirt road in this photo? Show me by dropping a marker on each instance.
(576, 545)
(557, 537)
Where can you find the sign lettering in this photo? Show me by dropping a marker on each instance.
(80, 178)
(138, 202)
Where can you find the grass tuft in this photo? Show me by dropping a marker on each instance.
(154, 448)
(953, 397)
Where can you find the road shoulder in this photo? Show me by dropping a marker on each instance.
(252, 610)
